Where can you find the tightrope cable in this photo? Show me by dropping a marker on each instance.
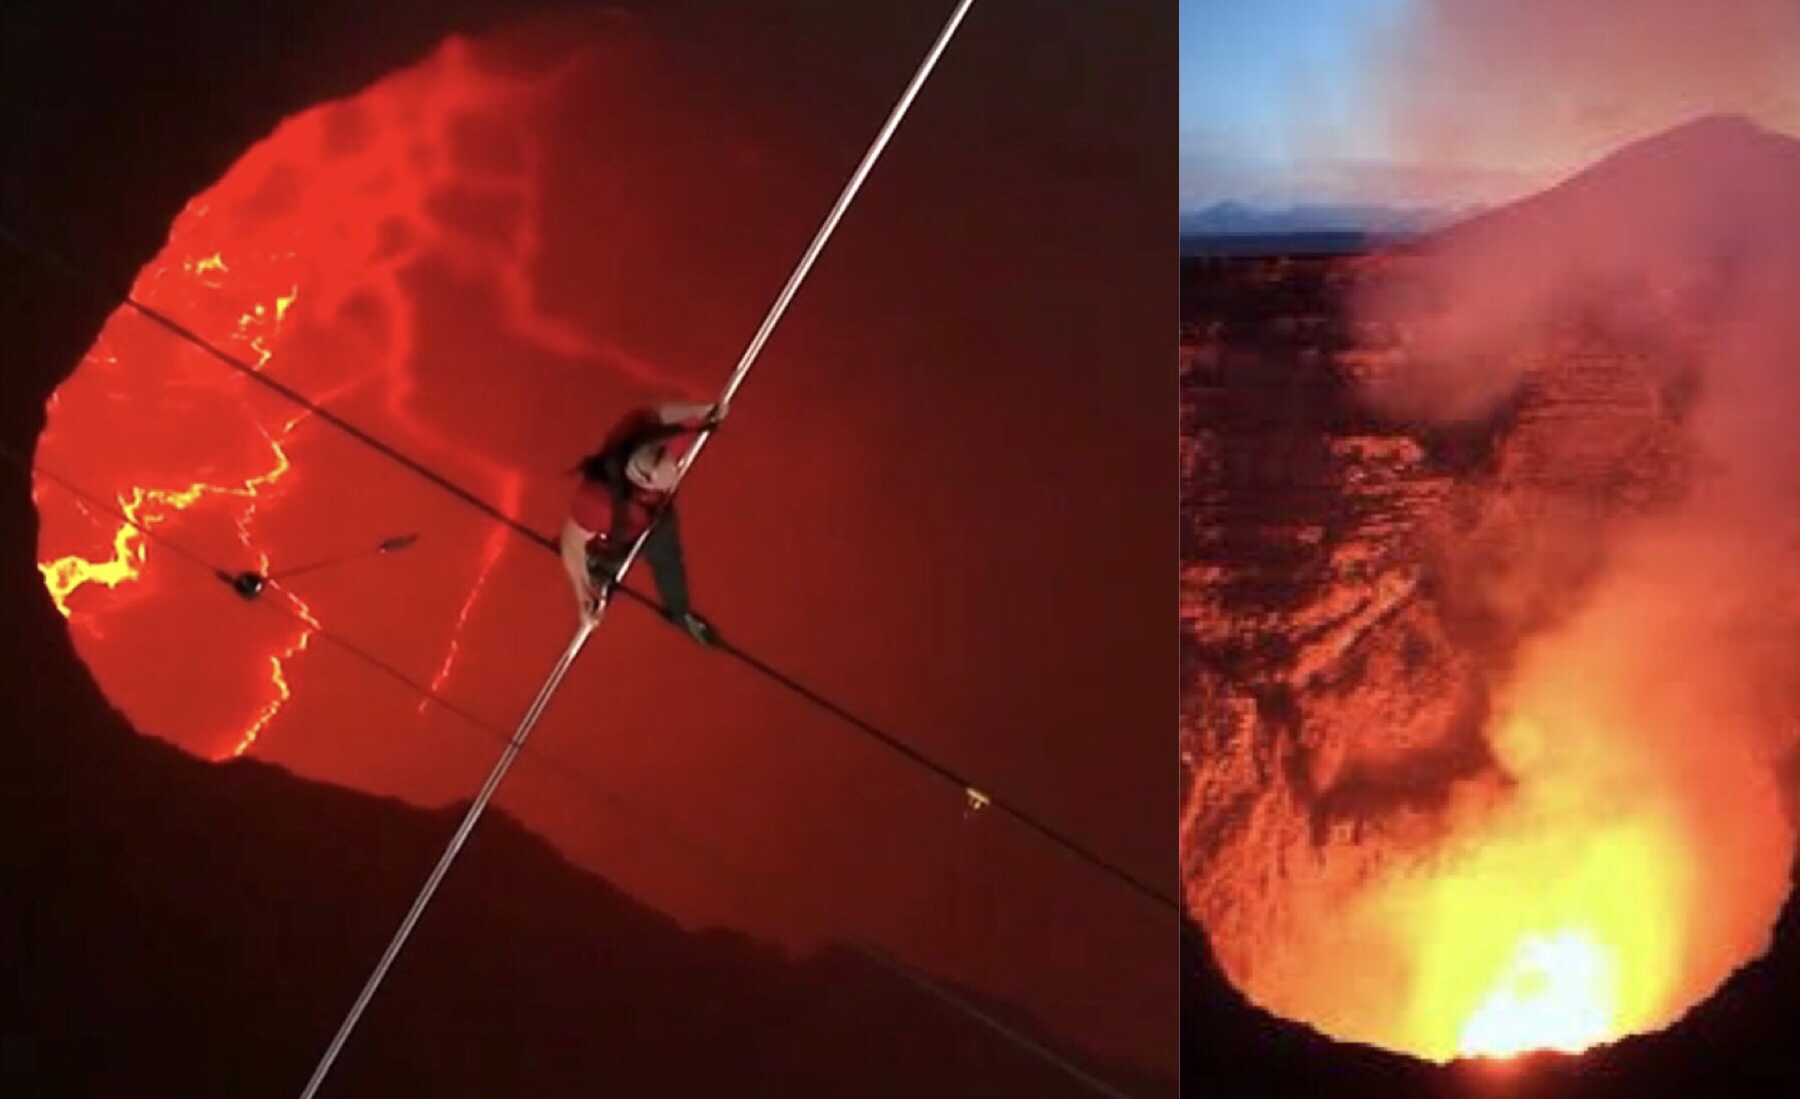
(977, 793)
(747, 882)
(757, 665)
(589, 625)
(515, 745)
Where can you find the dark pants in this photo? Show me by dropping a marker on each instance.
(662, 552)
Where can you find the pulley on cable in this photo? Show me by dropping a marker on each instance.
(250, 584)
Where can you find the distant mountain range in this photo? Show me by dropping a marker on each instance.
(1716, 186)
(1228, 219)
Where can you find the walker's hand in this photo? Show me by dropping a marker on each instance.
(682, 412)
(590, 607)
(715, 416)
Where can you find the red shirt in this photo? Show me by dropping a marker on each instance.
(592, 509)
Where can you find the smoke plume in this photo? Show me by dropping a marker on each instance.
(1638, 726)
(1552, 85)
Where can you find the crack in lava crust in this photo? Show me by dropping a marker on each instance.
(304, 259)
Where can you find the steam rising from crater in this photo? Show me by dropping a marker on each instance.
(1617, 582)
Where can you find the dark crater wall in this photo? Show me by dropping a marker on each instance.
(172, 927)
(1254, 475)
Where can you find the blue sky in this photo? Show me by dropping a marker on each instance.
(1243, 60)
(1446, 103)
(1250, 70)
(1279, 108)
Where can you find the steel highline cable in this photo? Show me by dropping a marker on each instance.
(788, 682)
(759, 666)
(782, 679)
(590, 623)
(553, 683)
(515, 744)
(756, 664)
(586, 784)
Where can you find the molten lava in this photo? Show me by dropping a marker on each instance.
(1546, 925)
(65, 575)
(482, 268)
(319, 230)
(1554, 993)
(1496, 763)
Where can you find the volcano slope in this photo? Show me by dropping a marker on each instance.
(174, 926)
(1304, 628)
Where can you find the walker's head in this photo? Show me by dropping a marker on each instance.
(653, 466)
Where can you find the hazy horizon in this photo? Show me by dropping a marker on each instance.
(1425, 103)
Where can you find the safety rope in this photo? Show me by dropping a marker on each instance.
(749, 883)
(589, 625)
(978, 794)
(976, 797)
(504, 763)
(975, 792)
(515, 743)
